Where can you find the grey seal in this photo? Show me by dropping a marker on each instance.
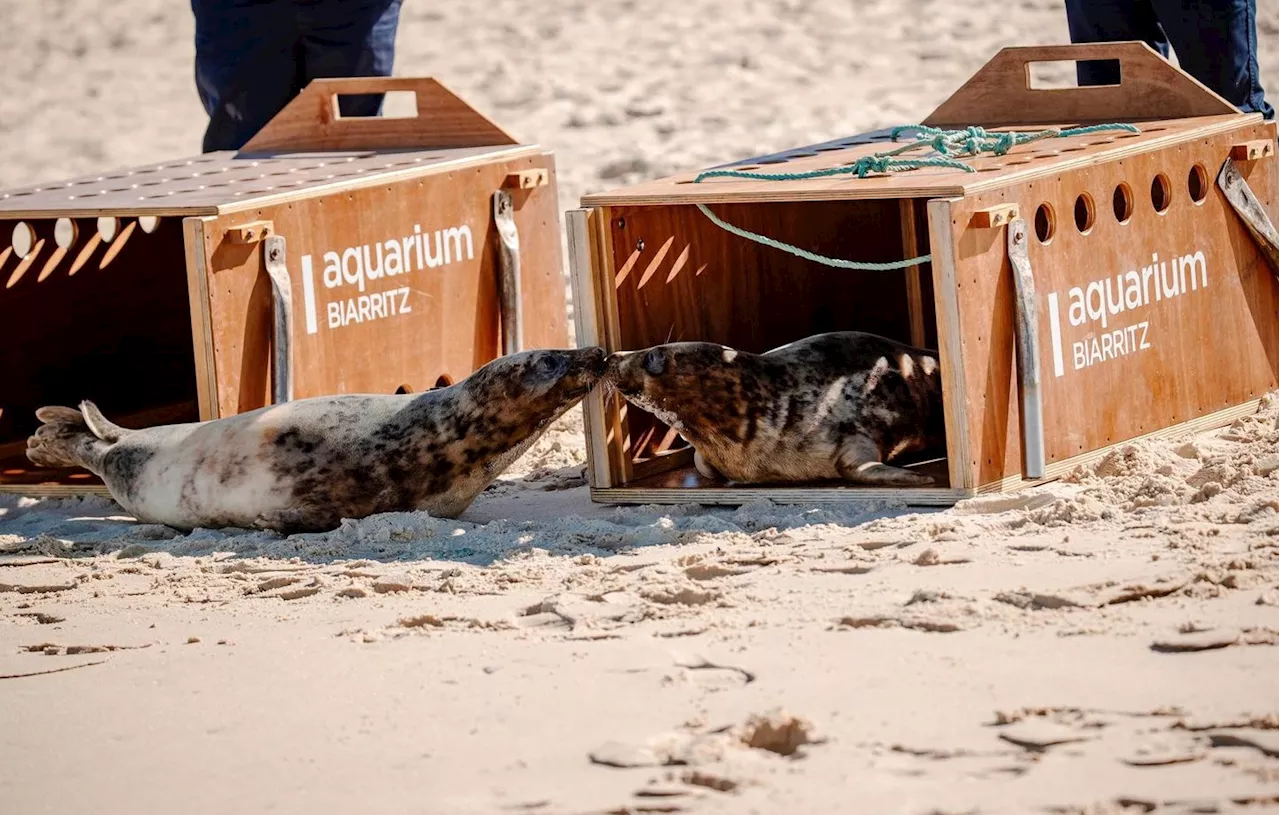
(305, 465)
(839, 405)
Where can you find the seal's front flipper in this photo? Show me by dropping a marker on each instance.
(859, 463)
(305, 518)
(704, 467)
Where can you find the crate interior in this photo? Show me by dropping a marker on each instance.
(680, 277)
(90, 318)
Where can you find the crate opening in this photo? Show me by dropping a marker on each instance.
(677, 276)
(96, 309)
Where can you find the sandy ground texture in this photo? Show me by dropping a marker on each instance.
(1104, 644)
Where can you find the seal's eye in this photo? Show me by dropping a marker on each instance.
(655, 362)
(548, 365)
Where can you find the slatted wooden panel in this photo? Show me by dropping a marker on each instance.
(1024, 163)
(1209, 349)
(452, 323)
(224, 181)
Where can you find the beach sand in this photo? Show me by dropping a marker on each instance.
(1102, 644)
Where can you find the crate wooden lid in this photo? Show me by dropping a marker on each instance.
(1166, 104)
(307, 149)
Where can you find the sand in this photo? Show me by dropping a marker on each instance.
(1102, 644)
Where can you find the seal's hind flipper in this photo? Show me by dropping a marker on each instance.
(859, 463)
(65, 440)
(99, 425)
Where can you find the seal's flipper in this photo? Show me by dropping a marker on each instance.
(303, 518)
(859, 463)
(99, 425)
(704, 467)
(65, 440)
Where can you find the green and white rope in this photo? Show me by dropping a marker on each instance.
(948, 144)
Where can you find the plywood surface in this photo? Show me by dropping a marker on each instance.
(1024, 163)
(437, 318)
(224, 181)
(1174, 359)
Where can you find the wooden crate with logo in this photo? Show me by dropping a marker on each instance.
(1081, 291)
(329, 255)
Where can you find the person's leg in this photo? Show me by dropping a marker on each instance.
(350, 38)
(245, 66)
(1216, 41)
(1111, 21)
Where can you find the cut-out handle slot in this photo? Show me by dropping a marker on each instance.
(395, 105)
(1047, 75)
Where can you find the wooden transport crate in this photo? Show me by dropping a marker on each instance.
(1194, 349)
(329, 255)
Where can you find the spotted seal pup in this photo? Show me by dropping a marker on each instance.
(306, 465)
(831, 406)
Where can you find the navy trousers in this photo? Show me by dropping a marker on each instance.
(1216, 41)
(253, 56)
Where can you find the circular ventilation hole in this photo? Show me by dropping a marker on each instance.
(1198, 184)
(108, 228)
(1045, 225)
(403, 389)
(1084, 213)
(23, 239)
(444, 381)
(1161, 195)
(148, 223)
(64, 233)
(1122, 203)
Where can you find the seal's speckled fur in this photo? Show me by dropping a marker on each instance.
(831, 406)
(306, 465)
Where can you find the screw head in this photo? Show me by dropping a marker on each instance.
(640, 245)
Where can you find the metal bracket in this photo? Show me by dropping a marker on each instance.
(1246, 205)
(282, 338)
(1027, 332)
(509, 279)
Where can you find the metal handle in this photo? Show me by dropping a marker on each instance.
(509, 279)
(1027, 331)
(282, 306)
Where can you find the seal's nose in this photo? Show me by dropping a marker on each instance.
(597, 361)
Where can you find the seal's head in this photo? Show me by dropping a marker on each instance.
(683, 383)
(544, 382)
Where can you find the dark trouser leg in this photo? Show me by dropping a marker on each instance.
(245, 66)
(1216, 41)
(1110, 21)
(346, 38)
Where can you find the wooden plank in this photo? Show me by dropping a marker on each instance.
(915, 294)
(311, 120)
(1150, 88)
(194, 237)
(1025, 163)
(993, 217)
(951, 352)
(527, 179)
(367, 324)
(717, 496)
(1253, 150)
(1160, 359)
(605, 270)
(225, 182)
(587, 323)
(1058, 469)
(252, 232)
